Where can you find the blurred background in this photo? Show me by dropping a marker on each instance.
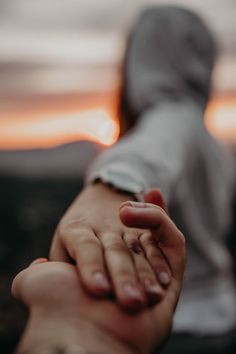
(59, 83)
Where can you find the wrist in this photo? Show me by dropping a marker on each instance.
(104, 190)
(53, 335)
(111, 188)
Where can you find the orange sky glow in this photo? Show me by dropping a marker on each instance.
(97, 124)
(220, 118)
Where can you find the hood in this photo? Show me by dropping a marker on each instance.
(170, 55)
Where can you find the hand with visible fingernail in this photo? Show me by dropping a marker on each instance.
(161, 243)
(111, 247)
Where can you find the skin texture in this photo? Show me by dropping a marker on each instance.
(110, 256)
(63, 315)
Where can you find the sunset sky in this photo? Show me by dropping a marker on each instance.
(49, 61)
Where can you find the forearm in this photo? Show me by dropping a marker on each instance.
(50, 334)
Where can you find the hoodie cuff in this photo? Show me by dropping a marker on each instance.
(119, 180)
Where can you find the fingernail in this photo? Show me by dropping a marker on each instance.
(133, 292)
(133, 204)
(124, 204)
(151, 287)
(101, 281)
(153, 291)
(164, 278)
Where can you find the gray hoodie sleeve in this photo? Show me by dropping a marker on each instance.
(158, 151)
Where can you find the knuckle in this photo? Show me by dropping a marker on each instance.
(110, 237)
(133, 243)
(67, 229)
(147, 240)
(135, 247)
(81, 245)
(112, 241)
(115, 246)
(110, 227)
(63, 228)
(77, 233)
(82, 241)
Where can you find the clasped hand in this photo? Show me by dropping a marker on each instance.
(130, 249)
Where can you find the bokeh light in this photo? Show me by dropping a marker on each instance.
(95, 125)
(220, 118)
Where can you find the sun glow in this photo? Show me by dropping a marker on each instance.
(95, 125)
(49, 128)
(220, 118)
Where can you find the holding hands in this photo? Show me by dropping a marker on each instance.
(54, 293)
(120, 246)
